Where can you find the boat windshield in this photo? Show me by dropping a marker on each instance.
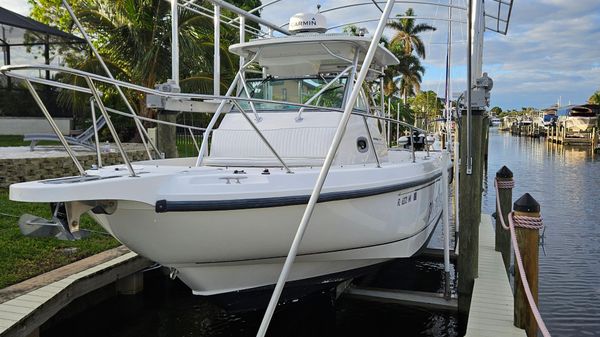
(297, 90)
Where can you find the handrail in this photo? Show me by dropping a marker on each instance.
(96, 138)
(138, 124)
(55, 128)
(9, 71)
(157, 121)
(327, 86)
(110, 125)
(247, 92)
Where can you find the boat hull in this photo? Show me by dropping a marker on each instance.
(228, 229)
(228, 250)
(578, 124)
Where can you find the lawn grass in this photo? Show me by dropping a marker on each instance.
(186, 150)
(23, 257)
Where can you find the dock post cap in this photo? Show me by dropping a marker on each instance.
(504, 172)
(527, 204)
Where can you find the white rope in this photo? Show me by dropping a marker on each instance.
(528, 222)
(524, 282)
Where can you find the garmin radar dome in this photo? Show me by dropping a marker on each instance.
(308, 23)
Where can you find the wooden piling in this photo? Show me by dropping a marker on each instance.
(502, 235)
(528, 241)
(485, 140)
(470, 209)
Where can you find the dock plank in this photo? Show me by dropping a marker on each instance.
(492, 304)
(26, 306)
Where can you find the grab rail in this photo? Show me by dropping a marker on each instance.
(10, 71)
(138, 124)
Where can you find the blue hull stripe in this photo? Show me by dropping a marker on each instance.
(163, 206)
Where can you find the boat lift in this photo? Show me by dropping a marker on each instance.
(476, 21)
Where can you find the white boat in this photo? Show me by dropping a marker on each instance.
(224, 221)
(507, 122)
(549, 117)
(525, 121)
(576, 118)
(495, 121)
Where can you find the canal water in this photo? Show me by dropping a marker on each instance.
(566, 182)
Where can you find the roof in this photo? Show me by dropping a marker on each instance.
(16, 29)
(305, 54)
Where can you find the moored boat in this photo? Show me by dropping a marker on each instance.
(576, 118)
(224, 221)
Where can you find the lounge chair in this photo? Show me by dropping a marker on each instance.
(85, 139)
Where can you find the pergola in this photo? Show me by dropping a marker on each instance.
(18, 31)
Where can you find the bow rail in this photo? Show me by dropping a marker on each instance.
(15, 71)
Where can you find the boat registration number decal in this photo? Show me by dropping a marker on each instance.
(407, 198)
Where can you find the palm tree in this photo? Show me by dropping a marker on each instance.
(595, 98)
(134, 39)
(407, 33)
(411, 74)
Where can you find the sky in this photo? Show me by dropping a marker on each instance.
(551, 50)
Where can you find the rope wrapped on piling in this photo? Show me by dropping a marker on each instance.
(527, 222)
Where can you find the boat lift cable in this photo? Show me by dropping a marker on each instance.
(143, 133)
(289, 261)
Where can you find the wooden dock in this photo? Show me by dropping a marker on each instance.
(492, 305)
(569, 138)
(24, 307)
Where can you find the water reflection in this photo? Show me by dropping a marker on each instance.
(566, 182)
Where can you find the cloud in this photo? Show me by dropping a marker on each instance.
(551, 49)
